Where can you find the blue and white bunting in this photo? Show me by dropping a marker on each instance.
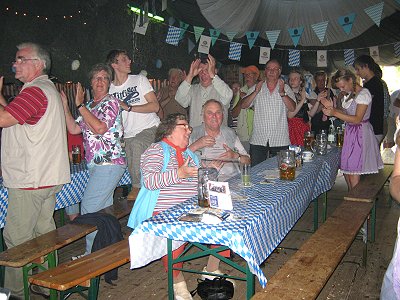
(173, 35)
(231, 35)
(272, 37)
(251, 37)
(294, 58)
(397, 48)
(214, 33)
(348, 57)
(347, 22)
(320, 30)
(375, 13)
(295, 34)
(235, 51)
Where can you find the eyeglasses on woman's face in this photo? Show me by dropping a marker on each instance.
(186, 126)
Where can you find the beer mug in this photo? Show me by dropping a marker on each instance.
(76, 154)
(309, 141)
(287, 164)
(339, 137)
(204, 176)
(321, 144)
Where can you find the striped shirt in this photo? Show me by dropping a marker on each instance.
(173, 190)
(29, 106)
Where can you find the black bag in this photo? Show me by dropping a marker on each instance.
(217, 289)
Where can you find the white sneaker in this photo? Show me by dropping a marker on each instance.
(218, 272)
(78, 256)
(181, 292)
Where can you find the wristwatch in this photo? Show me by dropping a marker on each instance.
(80, 105)
(283, 95)
(130, 108)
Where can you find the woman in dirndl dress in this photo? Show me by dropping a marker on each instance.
(360, 153)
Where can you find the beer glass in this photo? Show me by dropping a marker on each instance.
(321, 144)
(309, 143)
(204, 176)
(245, 171)
(76, 155)
(287, 165)
(339, 137)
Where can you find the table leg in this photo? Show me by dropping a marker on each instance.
(2, 268)
(373, 220)
(324, 206)
(315, 214)
(250, 283)
(170, 273)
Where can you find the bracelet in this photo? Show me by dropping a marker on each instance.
(80, 105)
(130, 108)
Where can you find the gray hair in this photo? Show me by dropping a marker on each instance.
(212, 101)
(40, 52)
(98, 68)
(175, 70)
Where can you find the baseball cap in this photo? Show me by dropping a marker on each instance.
(250, 69)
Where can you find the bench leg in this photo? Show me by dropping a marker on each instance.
(250, 283)
(2, 268)
(315, 214)
(373, 221)
(94, 288)
(324, 206)
(364, 231)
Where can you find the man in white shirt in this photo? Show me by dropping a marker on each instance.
(210, 87)
(139, 115)
(215, 141)
(271, 99)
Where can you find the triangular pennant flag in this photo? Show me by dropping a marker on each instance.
(204, 44)
(141, 29)
(197, 32)
(374, 53)
(146, 12)
(294, 58)
(265, 55)
(214, 35)
(232, 34)
(164, 5)
(173, 35)
(171, 21)
(398, 2)
(190, 45)
(321, 59)
(153, 5)
(347, 22)
(235, 51)
(348, 57)
(295, 34)
(183, 27)
(375, 13)
(320, 30)
(251, 37)
(397, 48)
(272, 37)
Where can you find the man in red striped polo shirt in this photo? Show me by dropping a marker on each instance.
(34, 153)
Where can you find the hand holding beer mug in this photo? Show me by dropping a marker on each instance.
(309, 141)
(287, 165)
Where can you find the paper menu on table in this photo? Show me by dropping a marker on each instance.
(220, 195)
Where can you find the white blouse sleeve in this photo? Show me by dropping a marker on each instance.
(364, 97)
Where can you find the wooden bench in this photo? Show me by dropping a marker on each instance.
(367, 190)
(305, 274)
(35, 252)
(85, 271)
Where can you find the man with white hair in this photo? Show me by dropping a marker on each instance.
(34, 153)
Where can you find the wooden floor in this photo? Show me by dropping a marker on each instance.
(350, 280)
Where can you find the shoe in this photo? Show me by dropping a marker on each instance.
(78, 256)
(181, 292)
(133, 194)
(39, 291)
(211, 277)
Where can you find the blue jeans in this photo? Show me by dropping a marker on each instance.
(99, 192)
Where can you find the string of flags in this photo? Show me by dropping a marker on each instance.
(176, 34)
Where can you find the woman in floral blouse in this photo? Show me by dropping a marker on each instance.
(100, 124)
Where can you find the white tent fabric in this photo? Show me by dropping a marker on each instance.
(267, 15)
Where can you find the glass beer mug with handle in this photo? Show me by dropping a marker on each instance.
(287, 165)
(309, 141)
(204, 176)
(321, 144)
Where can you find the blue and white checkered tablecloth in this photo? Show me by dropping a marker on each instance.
(262, 220)
(70, 194)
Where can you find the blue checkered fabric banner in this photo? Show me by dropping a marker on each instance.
(173, 35)
(397, 49)
(294, 58)
(70, 194)
(262, 216)
(348, 57)
(235, 51)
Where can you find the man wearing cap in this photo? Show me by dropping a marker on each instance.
(245, 116)
(271, 99)
(210, 87)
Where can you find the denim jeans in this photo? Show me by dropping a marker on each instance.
(99, 192)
